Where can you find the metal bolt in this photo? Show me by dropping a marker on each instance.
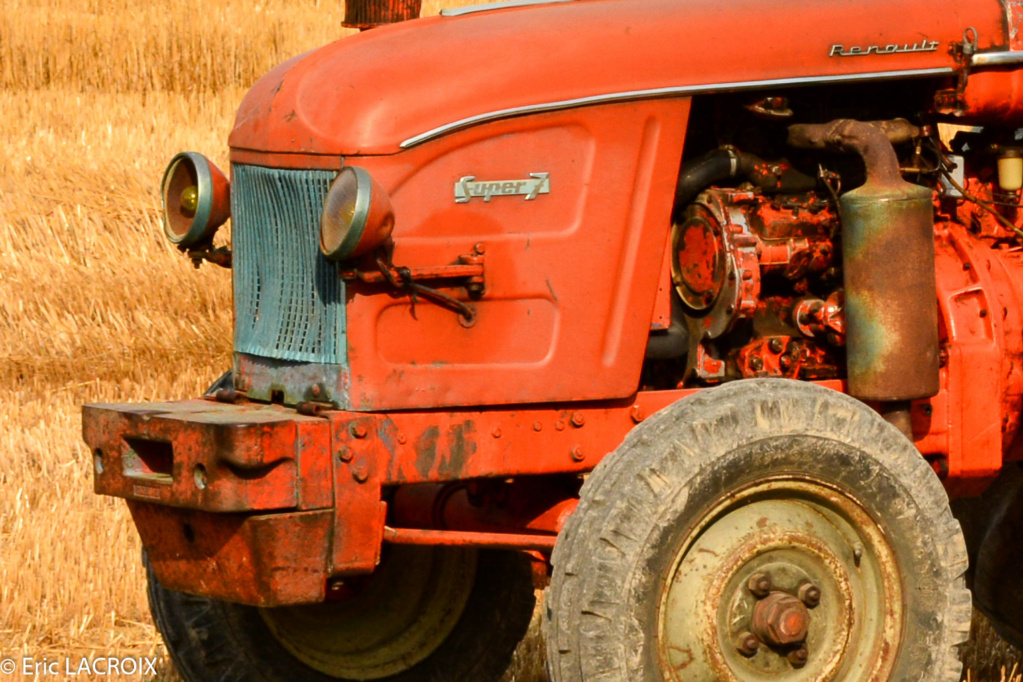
(537, 426)
(759, 585)
(359, 473)
(857, 553)
(358, 430)
(809, 594)
(401, 439)
(559, 425)
(756, 363)
(496, 433)
(636, 413)
(797, 657)
(225, 395)
(747, 644)
(785, 361)
(480, 248)
(577, 454)
(344, 454)
(776, 345)
(578, 419)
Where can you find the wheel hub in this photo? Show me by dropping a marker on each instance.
(398, 618)
(768, 588)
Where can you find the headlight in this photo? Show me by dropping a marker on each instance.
(357, 215)
(196, 198)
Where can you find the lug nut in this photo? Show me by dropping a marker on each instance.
(798, 657)
(747, 644)
(759, 585)
(780, 620)
(809, 594)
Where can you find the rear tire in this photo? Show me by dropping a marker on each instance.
(216, 641)
(993, 523)
(652, 572)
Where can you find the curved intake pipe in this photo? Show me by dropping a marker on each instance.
(888, 251)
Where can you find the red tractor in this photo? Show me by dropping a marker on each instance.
(695, 313)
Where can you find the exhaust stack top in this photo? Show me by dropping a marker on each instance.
(364, 14)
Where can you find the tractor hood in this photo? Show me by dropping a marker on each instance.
(399, 85)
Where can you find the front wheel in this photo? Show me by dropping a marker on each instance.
(766, 529)
(426, 615)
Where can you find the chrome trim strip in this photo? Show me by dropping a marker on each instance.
(997, 58)
(665, 92)
(486, 7)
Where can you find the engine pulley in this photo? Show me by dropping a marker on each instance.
(714, 263)
(698, 263)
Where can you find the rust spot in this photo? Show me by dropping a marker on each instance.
(686, 653)
(426, 450)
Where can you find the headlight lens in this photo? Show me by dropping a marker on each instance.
(196, 198)
(357, 215)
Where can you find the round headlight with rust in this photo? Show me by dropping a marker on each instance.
(196, 199)
(357, 215)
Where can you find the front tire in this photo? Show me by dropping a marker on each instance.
(427, 615)
(660, 572)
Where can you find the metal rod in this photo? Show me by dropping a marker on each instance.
(415, 536)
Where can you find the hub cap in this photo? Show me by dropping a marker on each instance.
(388, 624)
(788, 580)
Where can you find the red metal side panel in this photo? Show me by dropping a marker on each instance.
(571, 276)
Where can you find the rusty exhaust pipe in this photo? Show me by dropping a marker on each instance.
(365, 14)
(888, 246)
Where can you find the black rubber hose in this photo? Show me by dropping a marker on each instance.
(725, 163)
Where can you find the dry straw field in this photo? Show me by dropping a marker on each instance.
(95, 97)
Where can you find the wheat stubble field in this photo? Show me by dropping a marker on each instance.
(95, 97)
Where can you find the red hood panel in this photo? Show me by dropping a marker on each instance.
(367, 93)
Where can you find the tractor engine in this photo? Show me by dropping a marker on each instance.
(817, 259)
(759, 280)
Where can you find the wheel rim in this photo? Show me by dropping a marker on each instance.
(786, 579)
(395, 620)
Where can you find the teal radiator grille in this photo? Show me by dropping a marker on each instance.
(289, 301)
